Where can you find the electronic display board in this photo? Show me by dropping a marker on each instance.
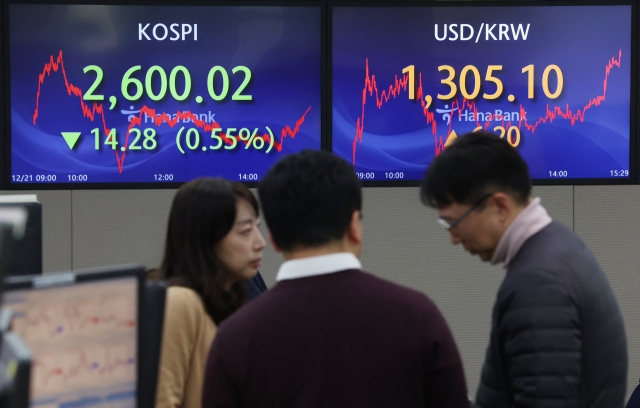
(555, 81)
(139, 95)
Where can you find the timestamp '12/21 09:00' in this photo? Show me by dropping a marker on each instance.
(74, 178)
(30, 178)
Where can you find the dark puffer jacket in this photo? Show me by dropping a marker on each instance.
(634, 401)
(557, 337)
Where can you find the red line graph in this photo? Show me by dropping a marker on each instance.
(399, 86)
(96, 109)
(72, 320)
(579, 114)
(82, 368)
(82, 365)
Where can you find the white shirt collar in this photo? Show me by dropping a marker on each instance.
(317, 265)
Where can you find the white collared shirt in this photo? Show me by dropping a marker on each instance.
(317, 265)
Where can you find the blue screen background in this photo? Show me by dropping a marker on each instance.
(398, 138)
(280, 45)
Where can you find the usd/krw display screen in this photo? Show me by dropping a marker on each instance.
(148, 94)
(555, 81)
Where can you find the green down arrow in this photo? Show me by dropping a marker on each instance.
(71, 138)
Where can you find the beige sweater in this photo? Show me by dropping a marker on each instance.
(187, 336)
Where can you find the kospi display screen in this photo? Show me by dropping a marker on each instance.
(555, 81)
(130, 94)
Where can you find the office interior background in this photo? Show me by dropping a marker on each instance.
(402, 243)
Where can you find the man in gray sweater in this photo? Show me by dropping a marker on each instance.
(557, 336)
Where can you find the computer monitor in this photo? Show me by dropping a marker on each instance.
(97, 96)
(15, 371)
(83, 331)
(5, 250)
(26, 254)
(557, 80)
(12, 361)
(151, 326)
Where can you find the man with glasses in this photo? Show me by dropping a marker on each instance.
(557, 336)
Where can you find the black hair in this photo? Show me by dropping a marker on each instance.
(308, 199)
(474, 165)
(203, 212)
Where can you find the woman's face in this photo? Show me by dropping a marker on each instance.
(241, 249)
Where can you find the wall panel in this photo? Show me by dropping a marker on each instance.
(607, 218)
(119, 226)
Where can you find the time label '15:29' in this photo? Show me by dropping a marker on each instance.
(619, 173)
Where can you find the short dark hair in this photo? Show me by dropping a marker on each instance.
(308, 199)
(474, 165)
(203, 212)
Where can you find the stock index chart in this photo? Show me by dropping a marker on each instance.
(153, 94)
(554, 81)
(83, 338)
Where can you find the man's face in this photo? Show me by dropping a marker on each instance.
(479, 231)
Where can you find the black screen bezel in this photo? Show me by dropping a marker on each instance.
(5, 171)
(13, 347)
(58, 280)
(634, 126)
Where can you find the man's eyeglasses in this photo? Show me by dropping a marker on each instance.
(446, 225)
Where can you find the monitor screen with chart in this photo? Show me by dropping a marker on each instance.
(555, 81)
(83, 335)
(146, 95)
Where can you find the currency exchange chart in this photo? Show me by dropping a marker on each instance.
(555, 81)
(153, 94)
